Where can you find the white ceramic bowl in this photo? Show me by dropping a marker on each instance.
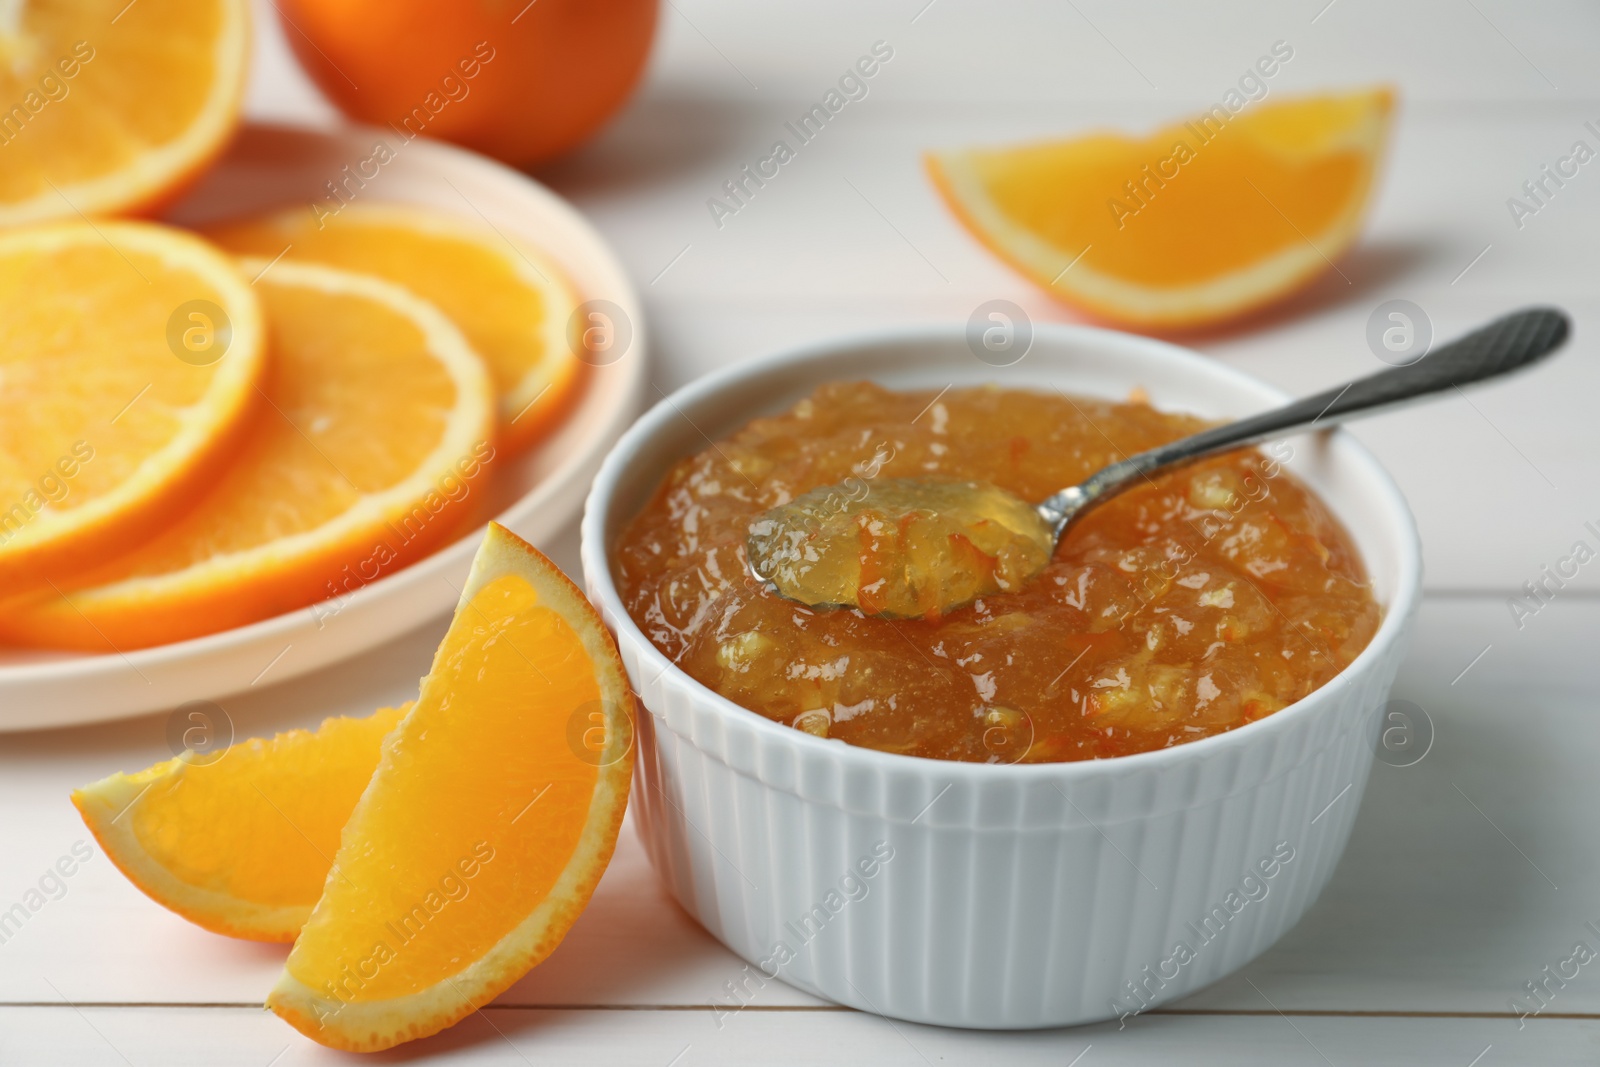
(988, 895)
(537, 494)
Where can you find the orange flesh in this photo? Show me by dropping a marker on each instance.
(1216, 198)
(344, 365)
(295, 790)
(432, 831)
(101, 95)
(474, 286)
(60, 385)
(367, 433)
(1185, 608)
(477, 280)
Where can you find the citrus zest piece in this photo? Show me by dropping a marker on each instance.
(239, 841)
(374, 423)
(513, 303)
(114, 107)
(1199, 222)
(492, 814)
(130, 354)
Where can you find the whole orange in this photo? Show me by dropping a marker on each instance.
(521, 80)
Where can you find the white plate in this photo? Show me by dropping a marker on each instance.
(536, 494)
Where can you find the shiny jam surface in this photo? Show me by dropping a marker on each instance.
(1211, 597)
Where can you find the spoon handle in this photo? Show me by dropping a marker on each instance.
(1504, 345)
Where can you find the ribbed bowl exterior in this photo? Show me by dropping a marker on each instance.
(978, 895)
(1014, 901)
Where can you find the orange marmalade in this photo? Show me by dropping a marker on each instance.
(1208, 598)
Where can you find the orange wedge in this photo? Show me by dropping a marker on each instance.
(129, 353)
(1194, 224)
(239, 841)
(113, 106)
(374, 423)
(490, 818)
(511, 301)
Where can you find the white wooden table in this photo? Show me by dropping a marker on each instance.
(1468, 874)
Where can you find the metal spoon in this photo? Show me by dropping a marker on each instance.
(807, 549)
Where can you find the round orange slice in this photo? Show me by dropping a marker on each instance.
(129, 352)
(376, 419)
(239, 841)
(492, 814)
(514, 304)
(1197, 223)
(114, 106)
